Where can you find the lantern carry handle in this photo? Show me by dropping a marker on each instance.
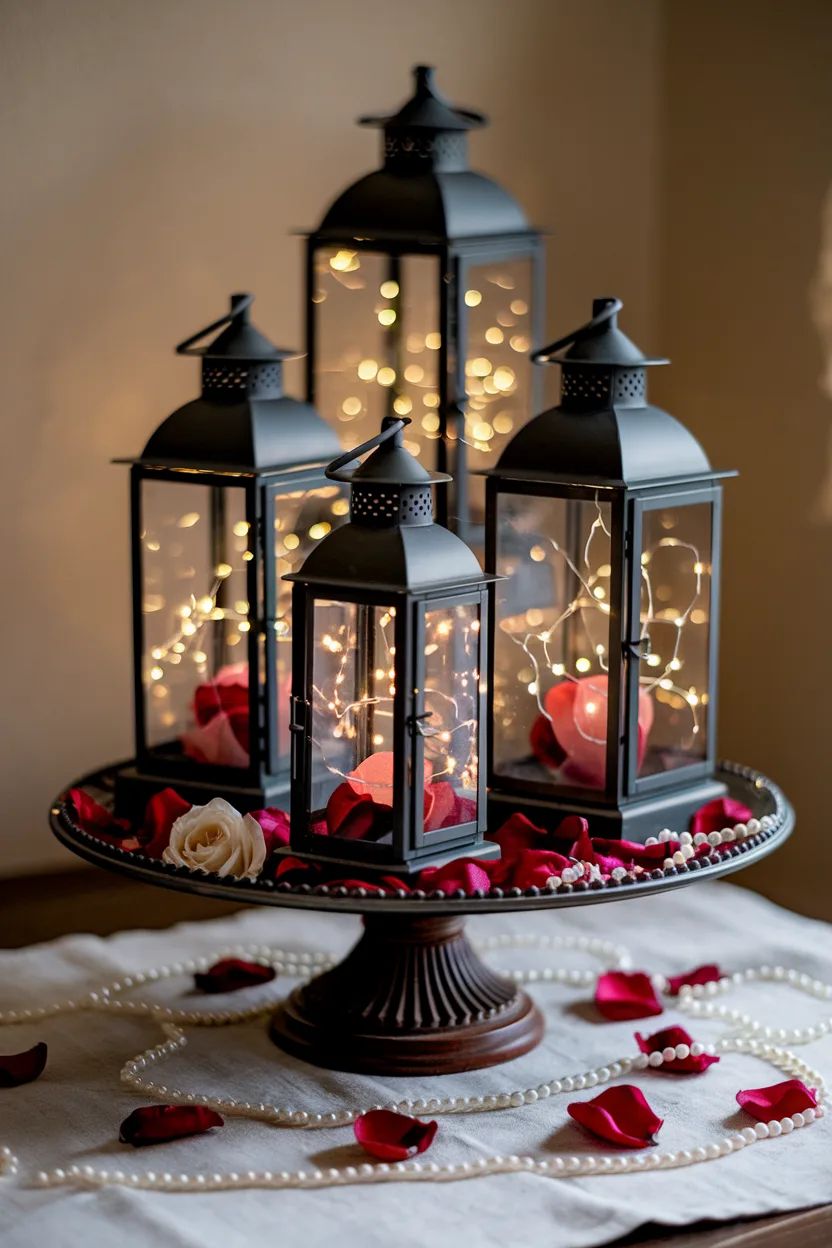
(544, 355)
(389, 430)
(239, 305)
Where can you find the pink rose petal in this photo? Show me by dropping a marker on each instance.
(620, 995)
(669, 1038)
(393, 1137)
(780, 1100)
(620, 1114)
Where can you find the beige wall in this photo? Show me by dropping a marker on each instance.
(154, 156)
(747, 125)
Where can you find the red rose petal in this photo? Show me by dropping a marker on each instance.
(352, 815)
(701, 975)
(231, 974)
(781, 1100)
(393, 1137)
(621, 995)
(722, 812)
(669, 1038)
(161, 813)
(620, 1115)
(275, 825)
(96, 820)
(155, 1124)
(19, 1068)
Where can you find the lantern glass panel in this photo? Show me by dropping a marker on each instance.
(675, 614)
(195, 613)
(452, 684)
(353, 675)
(378, 344)
(498, 372)
(552, 640)
(300, 519)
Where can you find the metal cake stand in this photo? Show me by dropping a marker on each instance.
(412, 996)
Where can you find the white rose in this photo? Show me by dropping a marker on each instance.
(217, 838)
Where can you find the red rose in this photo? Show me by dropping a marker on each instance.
(221, 711)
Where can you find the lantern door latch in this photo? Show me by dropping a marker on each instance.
(637, 649)
(417, 724)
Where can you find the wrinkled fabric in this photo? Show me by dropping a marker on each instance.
(72, 1113)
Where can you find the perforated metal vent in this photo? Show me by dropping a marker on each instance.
(232, 377)
(585, 387)
(630, 387)
(447, 152)
(384, 506)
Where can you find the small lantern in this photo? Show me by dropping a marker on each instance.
(228, 495)
(604, 518)
(388, 703)
(424, 293)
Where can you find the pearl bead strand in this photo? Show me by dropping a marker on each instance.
(692, 1000)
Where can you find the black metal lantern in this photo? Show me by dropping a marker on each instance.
(604, 518)
(391, 628)
(228, 495)
(424, 293)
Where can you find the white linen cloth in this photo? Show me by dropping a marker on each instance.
(71, 1115)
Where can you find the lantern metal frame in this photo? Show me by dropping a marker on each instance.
(392, 555)
(243, 433)
(636, 464)
(425, 201)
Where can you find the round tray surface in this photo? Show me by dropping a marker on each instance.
(760, 794)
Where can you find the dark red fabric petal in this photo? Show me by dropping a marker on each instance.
(608, 854)
(275, 825)
(545, 745)
(161, 813)
(296, 868)
(669, 1038)
(701, 975)
(528, 868)
(215, 696)
(722, 812)
(17, 1068)
(96, 820)
(231, 974)
(518, 833)
(155, 1124)
(465, 873)
(780, 1100)
(393, 1137)
(620, 995)
(620, 1114)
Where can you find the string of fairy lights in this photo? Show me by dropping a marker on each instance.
(494, 379)
(589, 602)
(440, 732)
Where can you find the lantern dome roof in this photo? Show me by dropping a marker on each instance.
(391, 541)
(603, 431)
(242, 421)
(425, 192)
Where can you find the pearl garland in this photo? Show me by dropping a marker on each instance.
(754, 1039)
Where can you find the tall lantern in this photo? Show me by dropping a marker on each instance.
(388, 702)
(228, 495)
(604, 518)
(424, 294)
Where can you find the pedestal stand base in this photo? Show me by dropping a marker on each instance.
(411, 998)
